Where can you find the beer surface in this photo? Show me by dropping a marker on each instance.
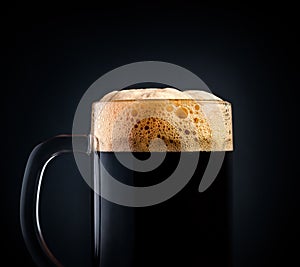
(143, 120)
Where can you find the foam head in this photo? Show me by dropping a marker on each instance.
(152, 119)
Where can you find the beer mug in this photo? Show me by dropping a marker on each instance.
(160, 179)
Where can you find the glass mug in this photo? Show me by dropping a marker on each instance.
(129, 127)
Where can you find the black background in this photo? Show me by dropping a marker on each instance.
(245, 55)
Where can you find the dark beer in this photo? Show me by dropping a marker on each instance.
(190, 229)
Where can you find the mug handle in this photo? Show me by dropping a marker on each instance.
(38, 160)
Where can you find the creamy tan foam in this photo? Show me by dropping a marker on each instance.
(151, 119)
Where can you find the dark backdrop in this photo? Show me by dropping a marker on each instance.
(245, 55)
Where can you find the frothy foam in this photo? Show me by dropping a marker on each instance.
(143, 120)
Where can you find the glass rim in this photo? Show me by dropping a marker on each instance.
(212, 101)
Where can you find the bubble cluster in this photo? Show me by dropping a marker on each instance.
(131, 120)
(149, 129)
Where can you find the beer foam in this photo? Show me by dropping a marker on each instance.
(154, 119)
(218, 116)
